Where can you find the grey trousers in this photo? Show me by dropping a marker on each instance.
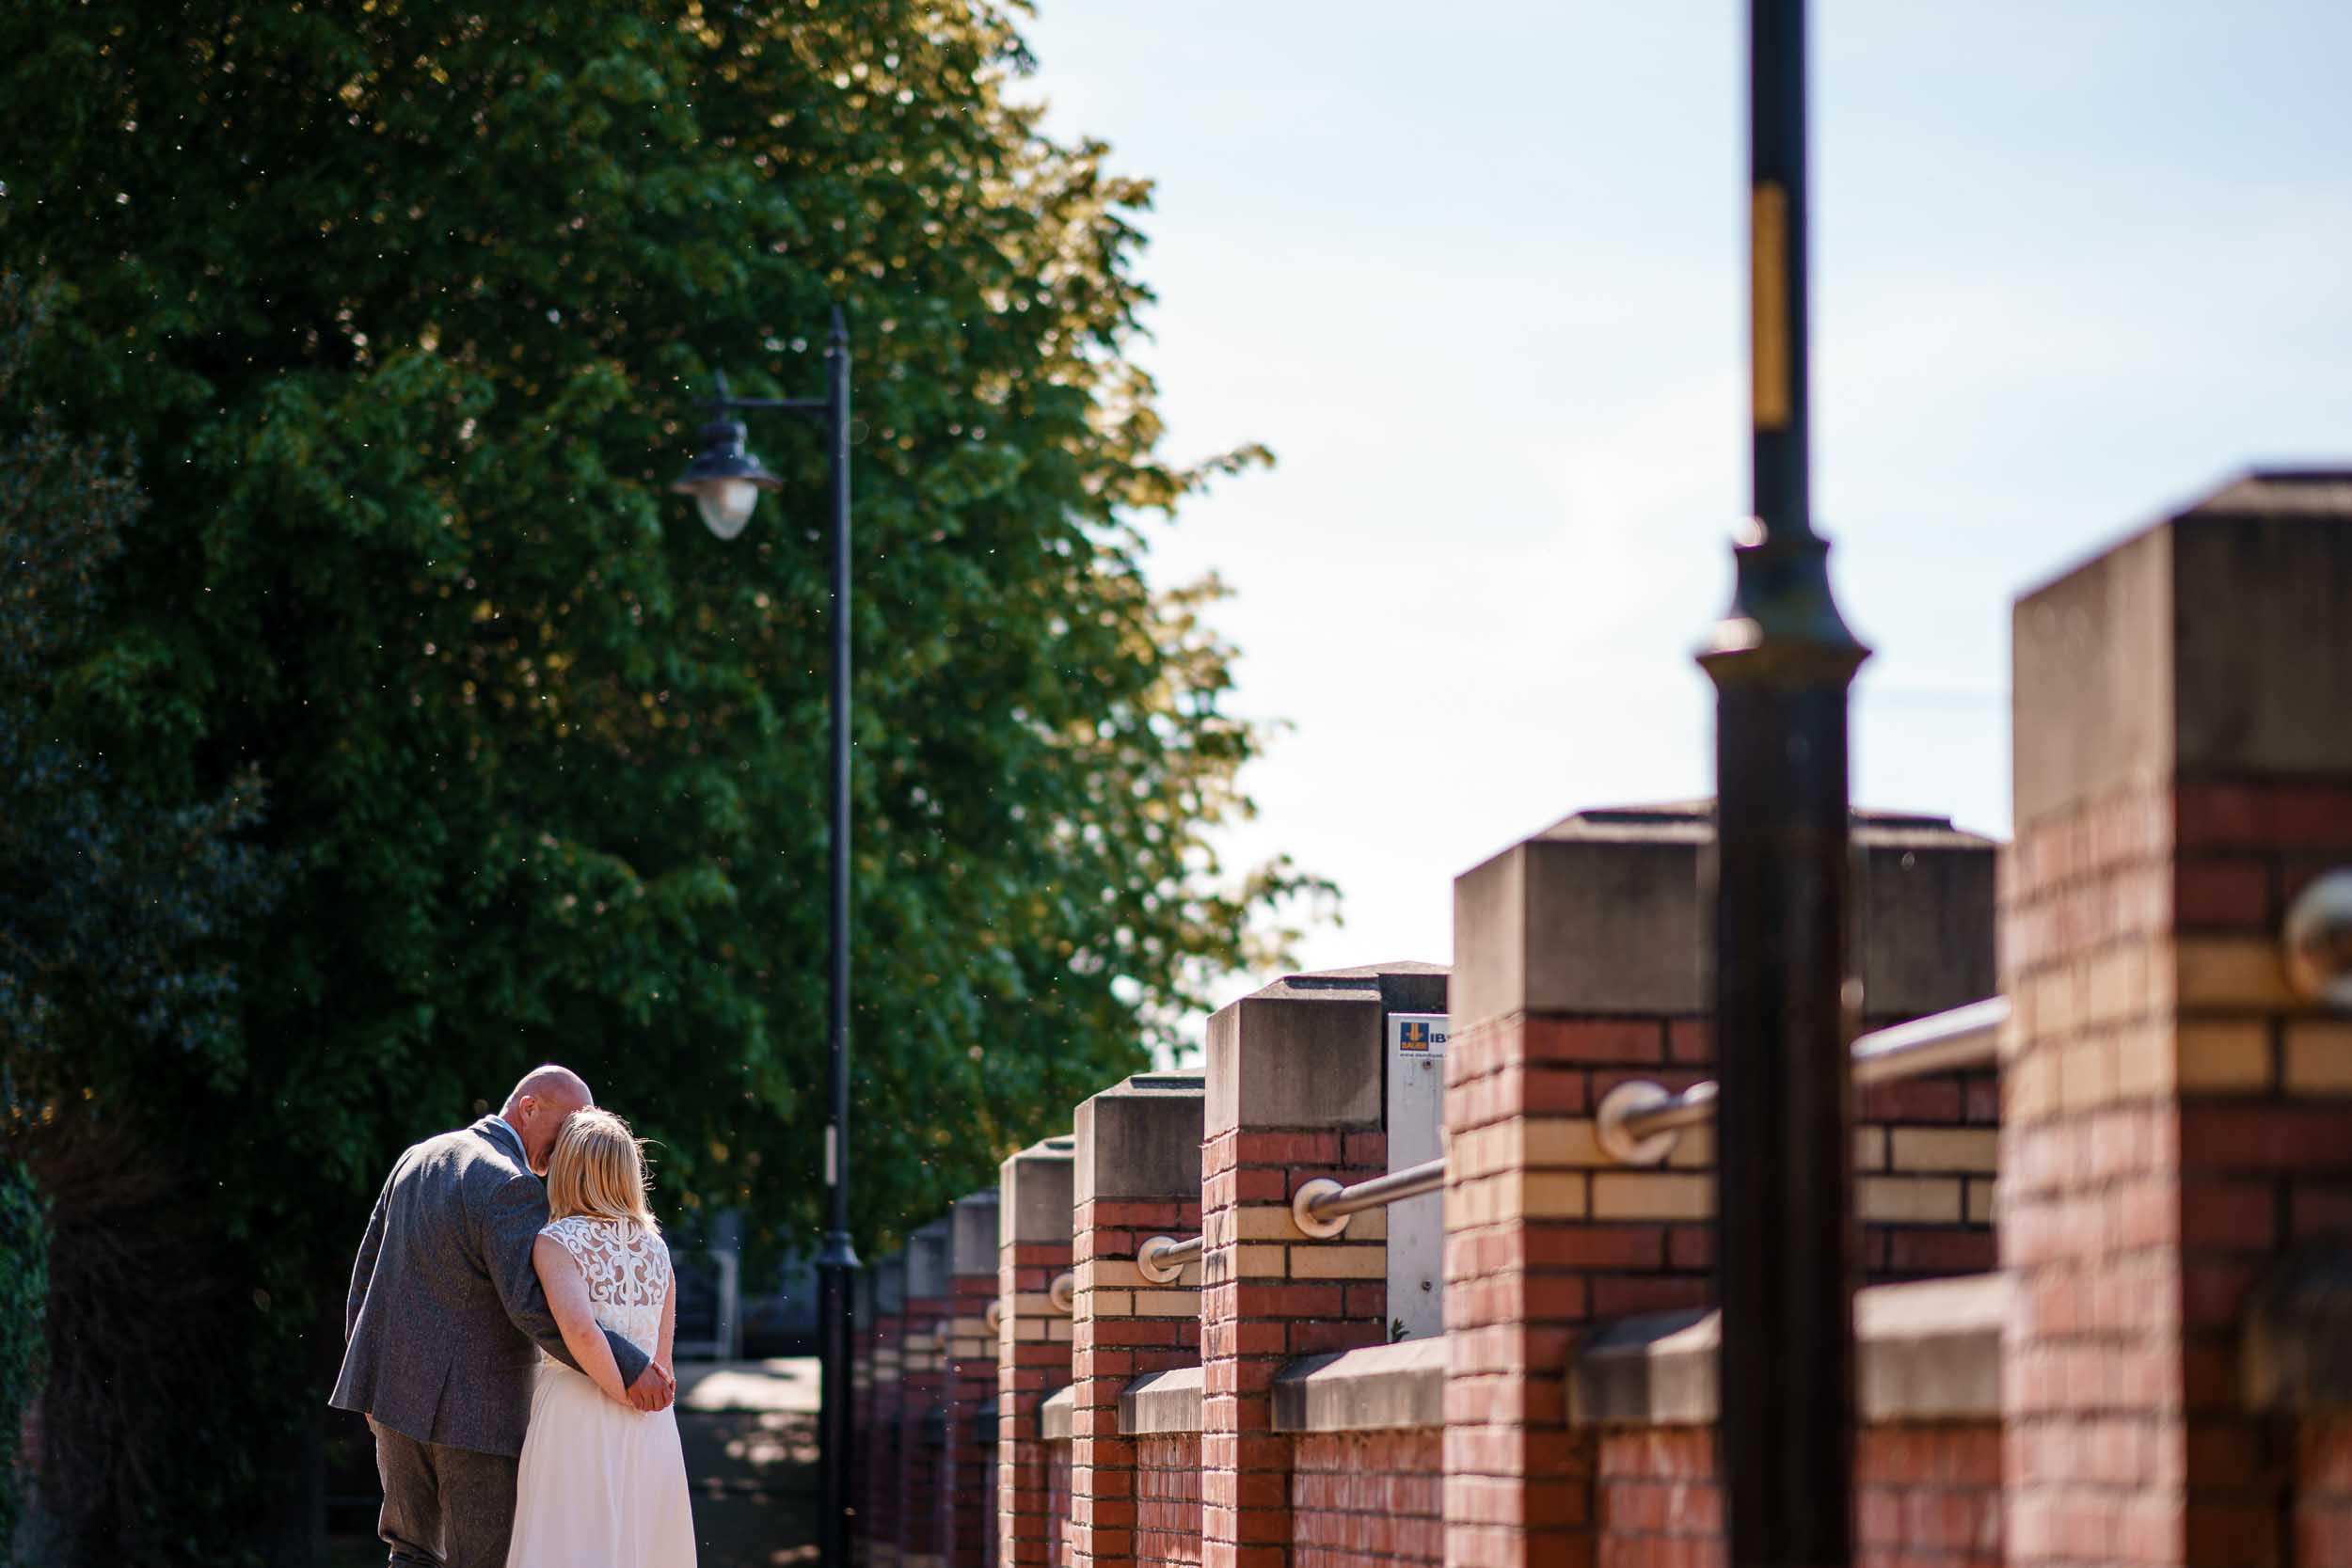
(443, 1507)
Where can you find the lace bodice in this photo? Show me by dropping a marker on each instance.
(629, 1273)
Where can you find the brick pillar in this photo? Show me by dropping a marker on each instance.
(2171, 1117)
(1032, 1345)
(923, 1396)
(880, 1458)
(1138, 1174)
(968, 1494)
(1295, 1076)
(1579, 964)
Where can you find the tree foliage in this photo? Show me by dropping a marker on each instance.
(115, 969)
(403, 306)
(23, 1302)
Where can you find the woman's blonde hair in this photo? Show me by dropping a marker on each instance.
(599, 1169)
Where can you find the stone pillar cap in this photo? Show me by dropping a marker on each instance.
(1308, 1050)
(2212, 644)
(1600, 912)
(927, 1261)
(975, 1220)
(890, 1285)
(1140, 1138)
(1033, 1186)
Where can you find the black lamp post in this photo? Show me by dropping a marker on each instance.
(725, 481)
(1782, 661)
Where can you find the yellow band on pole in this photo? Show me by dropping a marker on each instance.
(1768, 305)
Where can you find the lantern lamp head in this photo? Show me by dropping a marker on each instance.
(724, 479)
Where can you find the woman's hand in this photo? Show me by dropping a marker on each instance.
(576, 1315)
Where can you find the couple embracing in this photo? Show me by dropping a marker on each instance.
(509, 1345)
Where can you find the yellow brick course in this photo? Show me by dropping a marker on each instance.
(1909, 1199)
(1330, 1261)
(1625, 1195)
(2319, 1057)
(2232, 972)
(1513, 1194)
(1100, 1302)
(1695, 1149)
(2147, 1060)
(2215, 1054)
(1097, 1274)
(1946, 1148)
(1253, 1260)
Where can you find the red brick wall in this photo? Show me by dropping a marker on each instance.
(1270, 1295)
(968, 1501)
(1924, 1155)
(1058, 1503)
(1540, 1240)
(880, 1456)
(1656, 1503)
(2323, 1494)
(2172, 1122)
(1031, 1363)
(1167, 1499)
(922, 1395)
(1123, 1328)
(1926, 1497)
(1359, 1498)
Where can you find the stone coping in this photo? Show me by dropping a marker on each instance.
(1368, 1389)
(1926, 1350)
(2297, 1358)
(1055, 1415)
(1161, 1401)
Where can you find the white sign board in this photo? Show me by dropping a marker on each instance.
(1416, 1102)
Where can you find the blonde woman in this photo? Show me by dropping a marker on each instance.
(602, 1484)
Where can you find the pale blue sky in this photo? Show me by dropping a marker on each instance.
(1476, 272)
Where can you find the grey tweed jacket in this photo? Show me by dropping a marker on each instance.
(446, 1316)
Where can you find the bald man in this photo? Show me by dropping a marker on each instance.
(446, 1321)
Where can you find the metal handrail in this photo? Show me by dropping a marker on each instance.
(1161, 1258)
(1321, 1208)
(1639, 1122)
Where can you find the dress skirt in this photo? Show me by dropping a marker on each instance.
(601, 1484)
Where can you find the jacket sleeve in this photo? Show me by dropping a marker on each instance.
(363, 1268)
(512, 1222)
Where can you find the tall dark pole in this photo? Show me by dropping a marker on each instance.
(1782, 660)
(836, 1263)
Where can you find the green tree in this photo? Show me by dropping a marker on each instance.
(113, 972)
(404, 306)
(23, 1302)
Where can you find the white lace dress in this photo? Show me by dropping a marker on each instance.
(602, 1484)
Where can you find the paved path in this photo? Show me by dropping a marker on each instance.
(750, 1432)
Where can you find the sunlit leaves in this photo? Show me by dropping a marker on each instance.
(405, 312)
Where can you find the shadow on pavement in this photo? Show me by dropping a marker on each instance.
(749, 1429)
